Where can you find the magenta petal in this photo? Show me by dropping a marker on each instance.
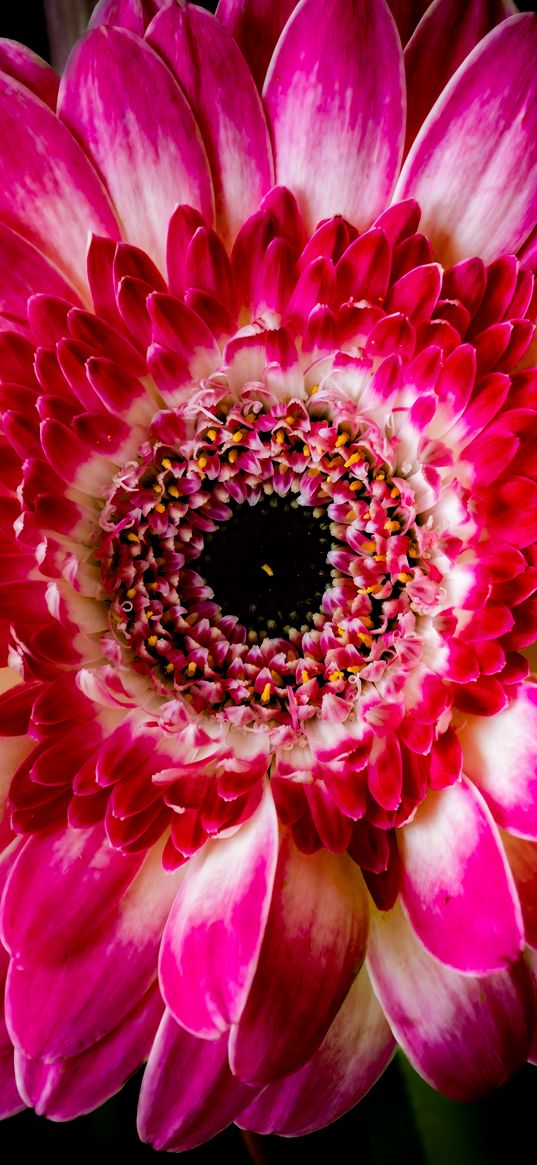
(464, 1034)
(43, 170)
(188, 1093)
(456, 884)
(334, 114)
(354, 1052)
(64, 1089)
(159, 138)
(59, 1008)
(473, 167)
(213, 936)
(317, 925)
(255, 26)
(61, 885)
(226, 106)
(443, 39)
(20, 62)
(500, 758)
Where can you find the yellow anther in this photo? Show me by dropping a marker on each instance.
(250, 417)
(191, 668)
(342, 440)
(356, 485)
(280, 437)
(238, 436)
(367, 547)
(304, 677)
(152, 586)
(413, 550)
(265, 694)
(290, 419)
(366, 621)
(160, 508)
(314, 388)
(268, 569)
(314, 470)
(404, 577)
(366, 639)
(380, 558)
(306, 451)
(166, 464)
(132, 537)
(276, 676)
(336, 675)
(149, 613)
(380, 475)
(173, 491)
(366, 516)
(212, 434)
(152, 640)
(131, 593)
(158, 488)
(169, 667)
(355, 668)
(353, 459)
(391, 525)
(375, 589)
(202, 461)
(232, 456)
(395, 493)
(341, 631)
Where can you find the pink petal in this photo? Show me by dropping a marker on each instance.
(207, 1099)
(334, 114)
(124, 13)
(456, 885)
(159, 137)
(500, 758)
(226, 106)
(317, 925)
(64, 1089)
(43, 170)
(255, 25)
(465, 1035)
(473, 166)
(213, 936)
(522, 858)
(443, 39)
(61, 1007)
(20, 62)
(354, 1052)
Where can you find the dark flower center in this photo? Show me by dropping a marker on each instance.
(268, 564)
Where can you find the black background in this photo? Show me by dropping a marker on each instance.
(401, 1122)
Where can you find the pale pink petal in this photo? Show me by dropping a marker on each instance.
(500, 757)
(464, 1034)
(64, 1089)
(188, 1093)
(456, 885)
(255, 25)
(159, 138)
(43, 170)
(334, 115)
(213, 936)
(226, 106)
(61, 1007)
(20, 62)
(354, 1052)
(473, 166)
(447, 33)
(317, 925)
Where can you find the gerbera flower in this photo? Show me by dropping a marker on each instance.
(268, 546)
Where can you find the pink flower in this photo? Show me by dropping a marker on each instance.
(269, 526)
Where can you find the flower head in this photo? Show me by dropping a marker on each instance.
(269, 529)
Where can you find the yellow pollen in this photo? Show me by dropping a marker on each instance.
(232, 456)
(366, 639)
(304, 677)
(173, 491)
(265, 694)
(353, 459)
(202, 461)
(152, 641)
(238, 436)
(280, 437)
(169, 667)
(289, 420)
(158, 488)
(149, 613)
(212, 434)
(306, 450)
(366, 621)
(392, 525)
(380, 475)
(191, 668)
(160, 508)
(375, 590)
(314, 470)
(250, 417)
(132, 537)
(131, 592)
(404, 577)
(268, 569)
(335, 675)
(413, 550)
(367, 547)
(395, 493)
(314, 388)
(166, 464)
(355, 667)
(152, 586)
(366, 516)
(341, 631)
(342, 440)
(380, 558)
(356, 485)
